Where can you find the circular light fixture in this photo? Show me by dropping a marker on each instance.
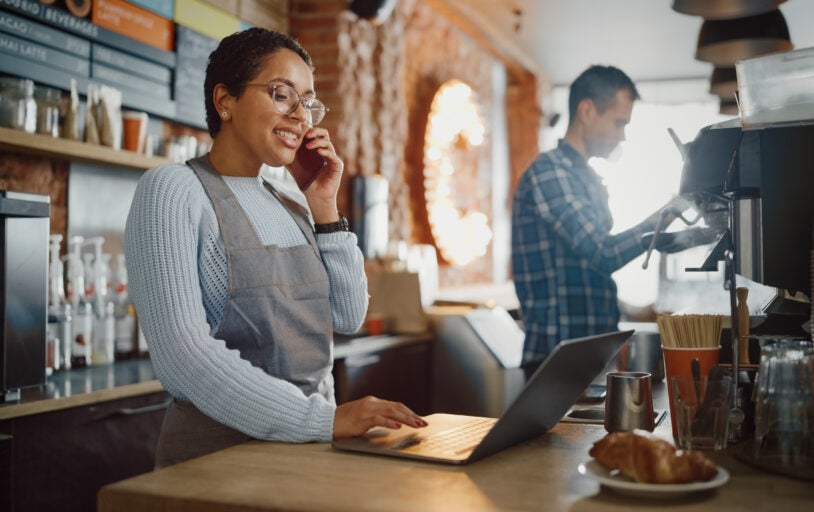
(454, 130)
(724, 9)
(724, 42)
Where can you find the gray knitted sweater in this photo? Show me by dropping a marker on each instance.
(178, 283)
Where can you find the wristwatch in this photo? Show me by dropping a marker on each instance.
(333, 227)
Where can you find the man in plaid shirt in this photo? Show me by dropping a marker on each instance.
(563, 254)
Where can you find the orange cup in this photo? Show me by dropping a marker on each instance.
(678, 362)
(135, 130)
(374, 324)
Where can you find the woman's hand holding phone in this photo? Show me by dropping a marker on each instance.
(307, 165)
(320, 181)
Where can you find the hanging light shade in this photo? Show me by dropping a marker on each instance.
(728, 108)
(376, 11)
(724, 9)
(723, 82)
(723, 42)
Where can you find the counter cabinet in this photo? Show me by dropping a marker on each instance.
(58, 460)
(58, 447)
(399, 370)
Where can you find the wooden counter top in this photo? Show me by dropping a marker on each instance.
(540, 474)
(85, 386)
(135, 377)
(348, 346)
(92, 397)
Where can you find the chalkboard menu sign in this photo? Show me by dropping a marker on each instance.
(43, 54)
(81, 27)
(52, 47)
(39, 33)
(192, 54)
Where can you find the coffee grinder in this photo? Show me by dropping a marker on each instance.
(24, 228)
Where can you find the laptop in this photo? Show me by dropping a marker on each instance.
(547, 396)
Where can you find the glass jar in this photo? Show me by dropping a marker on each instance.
(18, 109)
(784, 405)
(47, 110)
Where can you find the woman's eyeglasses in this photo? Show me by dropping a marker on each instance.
(286, 99)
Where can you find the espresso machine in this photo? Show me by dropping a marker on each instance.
(757, 185)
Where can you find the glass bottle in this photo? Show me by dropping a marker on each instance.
(103, 335)
(59, 312)
(784, 403)
(82, 324)
(47, 110)
(125, 313)
(18, 109)
(82, 320)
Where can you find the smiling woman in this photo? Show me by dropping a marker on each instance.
(240, 283)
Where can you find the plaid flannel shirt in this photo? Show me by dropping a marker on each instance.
(563, 254)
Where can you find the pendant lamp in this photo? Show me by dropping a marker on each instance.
(728, 108)
(723, 42)
(723, 82)
(725, 9)
(375, 11)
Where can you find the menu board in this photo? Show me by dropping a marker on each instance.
(47, 36)
(52, 46)
(192, 55)
(161, 7)
(131, 64)
(77, 66)
(43, 54)
(86, 29)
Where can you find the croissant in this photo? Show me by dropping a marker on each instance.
(651, 460)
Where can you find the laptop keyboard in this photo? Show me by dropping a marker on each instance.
(460, 438)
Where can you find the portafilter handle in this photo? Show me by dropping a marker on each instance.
(659, 226)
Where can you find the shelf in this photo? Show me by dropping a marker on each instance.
(16, 141)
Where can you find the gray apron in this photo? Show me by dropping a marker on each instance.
(277, 315)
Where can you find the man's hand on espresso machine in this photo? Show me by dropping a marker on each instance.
(682, 240)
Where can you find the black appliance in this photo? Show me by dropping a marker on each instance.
(758, 183)
(24, 229)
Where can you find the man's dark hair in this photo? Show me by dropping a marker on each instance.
(600, 84)
(238, 59)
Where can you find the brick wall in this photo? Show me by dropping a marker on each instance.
(314, 23)
(38, 175)
(378, 81)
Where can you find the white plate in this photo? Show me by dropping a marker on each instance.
(623, 485)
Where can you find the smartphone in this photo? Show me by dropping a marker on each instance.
(306, 166)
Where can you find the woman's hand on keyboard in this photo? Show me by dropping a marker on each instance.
(357, 417)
